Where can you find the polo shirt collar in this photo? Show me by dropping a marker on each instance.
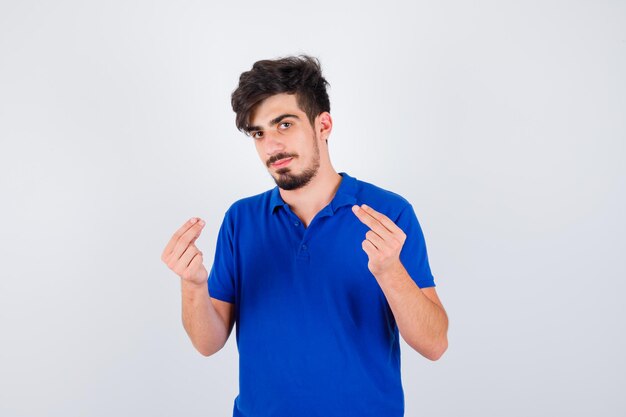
(345, 195)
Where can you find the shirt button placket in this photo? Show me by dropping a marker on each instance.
(303, 253)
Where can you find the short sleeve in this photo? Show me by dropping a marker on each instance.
(222, 277)
(414, 256)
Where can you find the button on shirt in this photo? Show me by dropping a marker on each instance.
(315, 334)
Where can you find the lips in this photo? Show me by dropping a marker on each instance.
(281, 162)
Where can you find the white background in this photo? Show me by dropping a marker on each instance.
(503, 123)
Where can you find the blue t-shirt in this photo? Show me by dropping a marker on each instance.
(315, 334)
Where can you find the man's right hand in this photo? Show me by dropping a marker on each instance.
(183, 257)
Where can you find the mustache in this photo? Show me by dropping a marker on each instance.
(280, 156)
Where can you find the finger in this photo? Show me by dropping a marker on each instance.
(170, 245)
(195, 262)
(185, 259)
(376, 240)
(382, 219)
(188, 238)
(371, 222)
(369, 248)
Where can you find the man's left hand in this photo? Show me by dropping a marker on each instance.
(383, 242)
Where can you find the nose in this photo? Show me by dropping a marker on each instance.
(272, 142)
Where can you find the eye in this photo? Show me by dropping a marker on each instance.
(285, 125)
(258, 134)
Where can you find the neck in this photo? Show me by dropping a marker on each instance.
(307, 201)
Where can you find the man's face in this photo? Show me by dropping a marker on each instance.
(285, 140)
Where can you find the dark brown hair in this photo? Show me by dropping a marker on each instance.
(300, 75)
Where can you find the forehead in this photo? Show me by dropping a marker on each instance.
(274, 106)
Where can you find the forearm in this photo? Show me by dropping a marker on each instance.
(422, 323)
(201, 321)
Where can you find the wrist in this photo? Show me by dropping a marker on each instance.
(392, 272)
(190, 286)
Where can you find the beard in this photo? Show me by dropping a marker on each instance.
(288, 180)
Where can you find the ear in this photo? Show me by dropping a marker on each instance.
(324, 125)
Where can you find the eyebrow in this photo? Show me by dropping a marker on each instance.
(273, 122)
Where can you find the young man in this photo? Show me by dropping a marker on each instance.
(320, 273)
